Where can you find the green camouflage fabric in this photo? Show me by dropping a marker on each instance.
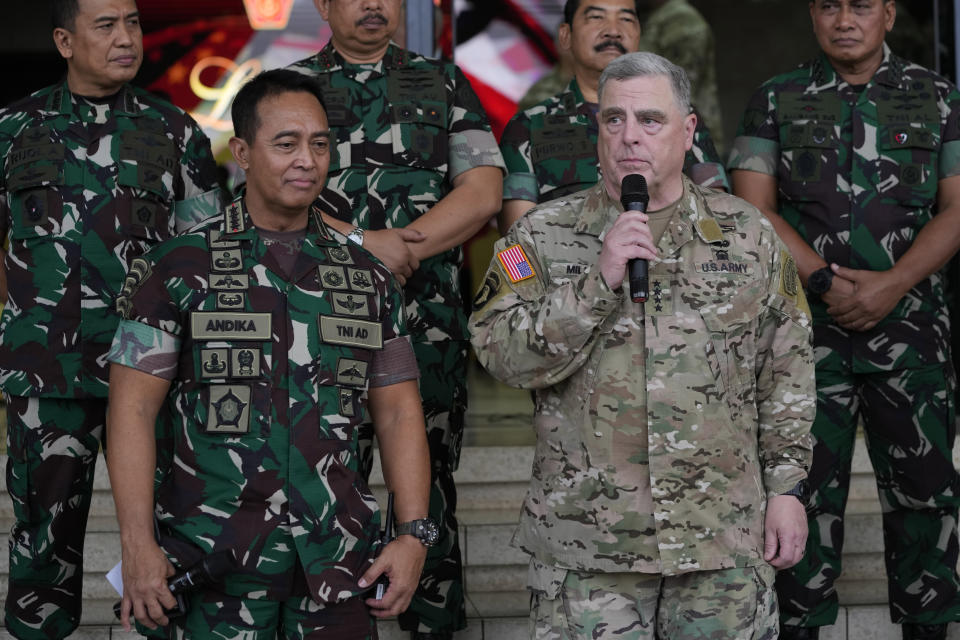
(213, 615)
(405, 128)
(270, 387)
(662, 430)
(857, 176)
(85, 189)
(727, 604)
(52, 450)
(551, 150)
(910, 410)
(679, 33)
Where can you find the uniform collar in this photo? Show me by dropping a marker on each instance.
(237, 224)
(328, 59)
(889, 73)
(60, 101)
(692, 220)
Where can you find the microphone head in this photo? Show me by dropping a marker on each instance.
(634, 188)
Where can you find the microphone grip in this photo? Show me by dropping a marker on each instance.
(639, 283)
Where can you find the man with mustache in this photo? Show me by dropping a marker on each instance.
(668, 432)
(95, 172)
(415, 173)
(854, 158)
(550, 149)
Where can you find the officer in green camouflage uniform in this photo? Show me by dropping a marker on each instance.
(677, 31)
(855, 157)
(94, 173)
(666, 431)
(269, 335)
(550, 149)
(417, 168)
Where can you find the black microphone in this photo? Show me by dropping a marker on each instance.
(634, 197)
(208, 570)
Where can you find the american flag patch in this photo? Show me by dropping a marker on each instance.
(515, 262)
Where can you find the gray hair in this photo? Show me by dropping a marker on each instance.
(643, 63)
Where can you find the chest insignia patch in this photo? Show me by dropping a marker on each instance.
(660, 302)
(229, 409)
(351, 372)
(349, 304)
(350, 332)
(226, 325)
(514, 261)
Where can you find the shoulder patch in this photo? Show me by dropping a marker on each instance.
(515, 263)
(139, 271)
(789, 280)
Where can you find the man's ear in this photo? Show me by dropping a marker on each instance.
(63, 40)
(564, 37)
(323, 6)
(241, 151)
(690, 126)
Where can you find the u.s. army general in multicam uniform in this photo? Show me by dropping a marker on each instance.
(95, 171)
(551, 148)
(855, 157)
(666, 432)
(268, 335)
(418, 172)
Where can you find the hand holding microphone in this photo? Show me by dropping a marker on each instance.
(628, 243)
(634, 197)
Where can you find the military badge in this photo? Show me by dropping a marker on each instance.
(229, 409)
(515, 263)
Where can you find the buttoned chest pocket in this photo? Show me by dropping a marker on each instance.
(418, 118)
(809, 160)
(147, 164)
(906, 167)
(731, 351)
(233, 394)
(342, 379)
(419, 134)
(562, 155)
(34, 182)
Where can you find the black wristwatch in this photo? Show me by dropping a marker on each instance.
(800, 491)
(425, 530)
(820, 281)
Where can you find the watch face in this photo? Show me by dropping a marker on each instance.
(820, 281)
(429, 532)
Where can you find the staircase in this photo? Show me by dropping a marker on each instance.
(491, 481)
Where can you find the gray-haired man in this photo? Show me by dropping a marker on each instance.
(667, 431)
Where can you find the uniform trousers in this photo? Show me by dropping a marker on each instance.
(908, 419)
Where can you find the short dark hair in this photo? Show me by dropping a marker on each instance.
(571, 6)
(63, 14)
(267, 85)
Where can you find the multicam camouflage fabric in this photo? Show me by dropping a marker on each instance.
(86, 188)
(405, 128)
(270, 388)
(857, 175)
(727, 603)
(659, 438)
(551, 150)
(679, 33)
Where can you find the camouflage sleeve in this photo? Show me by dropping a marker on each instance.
(533, 334)
(950, 139)
(786, 395)
(703, 164)
(521, 182)
(201, 193)
(148, 336)
(471, 141)
(757, 144)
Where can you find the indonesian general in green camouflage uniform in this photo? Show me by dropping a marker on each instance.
(414, 153)
(675, 30)
(856, 170)
(87, 185)
(666, 431)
